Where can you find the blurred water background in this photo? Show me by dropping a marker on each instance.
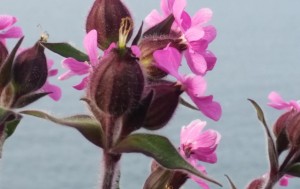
(258, 50)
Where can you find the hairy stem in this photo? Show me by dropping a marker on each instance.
(111, 171)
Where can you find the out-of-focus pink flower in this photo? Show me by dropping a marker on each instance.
(169, 60)
(193, 32)
(277, 102)
(76, 67)
(6, 28)
(55, 91)
(198, 145)
(284, 181)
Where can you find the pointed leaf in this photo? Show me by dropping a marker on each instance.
(66, 50)
(28, 99)
(159, 148)
(6, 67)
(187, 104)
(272, 152)
(230, 182)
(85, 124)
(294, 170)
(162, 28)
(138, 36)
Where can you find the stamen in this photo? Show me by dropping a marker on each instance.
(125, 28)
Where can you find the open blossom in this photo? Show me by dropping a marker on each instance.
(277, 102)
(198, 145)
(169, 60)
(55, 91)
(76, 67)
(194, 34)
(7, 30)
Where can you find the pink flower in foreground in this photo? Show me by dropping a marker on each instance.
(6, 28)
(194, 34)
(169, 60)
(198, 145)
(82, 68)
(277, 102)
(55, 91)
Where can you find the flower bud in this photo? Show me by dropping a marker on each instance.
(166, 98)
(30, 70)
(257, 183)
(117, 83)
(149, 45)
(3, 53)
(105, 17)
(293, 129)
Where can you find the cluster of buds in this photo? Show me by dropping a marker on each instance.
(23, 76)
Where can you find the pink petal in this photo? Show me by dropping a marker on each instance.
(202, 16)
(52, 72)
(136, 50)
(6, 21)
(210, 33)
(209, 158)
(169, 60)
(191, 132)
(83, 84)
(198, 180)
(75, 67)
(55, 91)
(50, 63)
(194, 85)
(208, 107)
(166, 6)
(111, 46)
(13, 32)
(196, 62)
(184, 21)
(210, 59)
(90, 45)
(284, 181)
(194, 33)
(178, 8)
(153, 18)
(277, 102)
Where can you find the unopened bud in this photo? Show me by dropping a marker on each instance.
(257, 183)
(106, 17)
(117, 83)
(293, 130)
(30, 70)
(166, 98)
(149, 45)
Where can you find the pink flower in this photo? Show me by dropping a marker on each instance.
(198, 145)
(194, 34)
(6, 28)
(284, 181)
(169, 60)
(55, 91)
(278, 103)
(82, 68)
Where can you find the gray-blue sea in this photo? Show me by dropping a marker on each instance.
(258, 50)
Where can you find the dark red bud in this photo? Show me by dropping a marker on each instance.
(3, 53)
(293, 129)
(30, 70)
(257, 183)
(149, 45)
(163, 105)
(117, 83)
(106, 17)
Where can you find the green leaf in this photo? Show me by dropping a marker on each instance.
(28, 99)
(9, 120)
(187, 104)
(66, 50)
(6, 67)
(159, 148)
(273, 156)
(293, 170)
(230, 182)
(85, 124)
